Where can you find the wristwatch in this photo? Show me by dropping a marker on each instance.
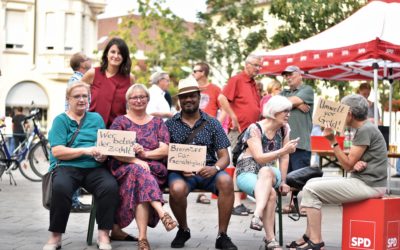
(334, 145)
(217, 168)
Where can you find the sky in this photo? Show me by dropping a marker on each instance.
(185, 9)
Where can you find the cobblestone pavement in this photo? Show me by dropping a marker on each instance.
(24, 224)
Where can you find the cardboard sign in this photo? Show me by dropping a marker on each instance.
(331, 112)
(189, 158)
(116, 142)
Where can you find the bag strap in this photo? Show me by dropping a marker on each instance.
(73, 136)
(195, 132)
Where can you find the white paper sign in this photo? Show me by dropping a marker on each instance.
(189, 158)
(116, 142)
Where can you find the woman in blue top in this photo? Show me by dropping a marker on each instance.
(79, 165)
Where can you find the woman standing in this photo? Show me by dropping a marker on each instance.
(79, 164)
(257, 170)
(110, 81)
(140, 177)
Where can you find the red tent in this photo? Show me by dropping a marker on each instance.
(348, 50)
(365, 46)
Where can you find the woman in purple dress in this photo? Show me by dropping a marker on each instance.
(140, 177)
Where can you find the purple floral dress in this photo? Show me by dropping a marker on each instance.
(135, 184)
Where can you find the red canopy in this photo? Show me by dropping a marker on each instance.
(348, 50)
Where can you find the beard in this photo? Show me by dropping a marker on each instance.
(190, 110)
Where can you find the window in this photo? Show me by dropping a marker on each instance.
(69, 31)
(16, 30)
(51, 30)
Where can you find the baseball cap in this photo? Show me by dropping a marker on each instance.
(291, 69)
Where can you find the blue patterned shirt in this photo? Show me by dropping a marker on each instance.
(212, 135)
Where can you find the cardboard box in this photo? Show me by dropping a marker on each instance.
(371, 224)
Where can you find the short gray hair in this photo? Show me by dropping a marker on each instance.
(136, 86)
(156, 77)
(358, 106)
(251, 57)
(276, 104)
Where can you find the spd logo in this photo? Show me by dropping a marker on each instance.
(392, 241)
(362, 234)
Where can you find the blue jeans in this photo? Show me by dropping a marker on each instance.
(398, 166)
(299, 159)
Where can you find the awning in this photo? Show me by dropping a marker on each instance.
(25, 94)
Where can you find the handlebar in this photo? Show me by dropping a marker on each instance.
(34, 114)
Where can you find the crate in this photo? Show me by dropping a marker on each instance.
(321, 143)
(371, 224)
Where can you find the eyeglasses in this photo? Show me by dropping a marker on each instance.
(138, 98)
(257, 66)
(78, 97)
(197, 70)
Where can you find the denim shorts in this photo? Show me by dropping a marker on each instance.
(247, 181)
(197, 182)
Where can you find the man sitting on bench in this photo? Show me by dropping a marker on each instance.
(193, 126)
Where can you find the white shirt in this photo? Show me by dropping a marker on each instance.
(157, 102)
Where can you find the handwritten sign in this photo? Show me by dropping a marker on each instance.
(331, 112)
(189, 158)
(116, 142)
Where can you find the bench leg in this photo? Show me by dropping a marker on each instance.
(280, 219)
(92, 219)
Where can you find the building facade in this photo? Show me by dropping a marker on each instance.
(37, 39)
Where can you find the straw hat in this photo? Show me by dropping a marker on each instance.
(188, 85)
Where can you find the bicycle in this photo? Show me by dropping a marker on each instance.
(36, 151)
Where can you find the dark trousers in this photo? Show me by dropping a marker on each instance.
(98, 181)
(299, 159)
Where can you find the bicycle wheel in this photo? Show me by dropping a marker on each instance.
(39, 157)
(2, 163)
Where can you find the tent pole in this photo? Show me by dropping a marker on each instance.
(375, 66)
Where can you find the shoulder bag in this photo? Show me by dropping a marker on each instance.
(47, 180)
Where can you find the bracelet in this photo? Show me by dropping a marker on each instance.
(334, 145)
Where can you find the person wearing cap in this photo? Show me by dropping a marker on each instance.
(158, 105)
(240, 99)
(300, 120)
(211, 177)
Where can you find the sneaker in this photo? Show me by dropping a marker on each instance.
(240, 210)
(181, 237)
(81, 208)
(224, 242)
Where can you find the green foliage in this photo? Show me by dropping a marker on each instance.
(168, 41)
(306, 18)
(233, 29)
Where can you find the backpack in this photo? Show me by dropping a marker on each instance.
(242, 146)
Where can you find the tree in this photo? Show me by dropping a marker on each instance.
(303, 19)
(232, 29)
(167, 38)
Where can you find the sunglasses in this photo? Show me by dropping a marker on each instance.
(197, 70)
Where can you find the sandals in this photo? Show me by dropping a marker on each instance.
(294, 244)
(311, 246)
(256, 223)
(143, 245)
(202, 199)
(271, 244)
(168, 222)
